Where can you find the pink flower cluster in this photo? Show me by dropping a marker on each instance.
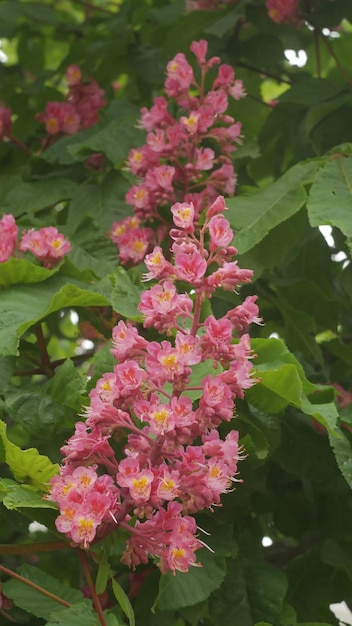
(187, 157)
(283, 10)
(5, 122)
(80, 109)
(175, 462)
(46, 244)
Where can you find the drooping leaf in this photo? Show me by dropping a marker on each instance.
(27, 465)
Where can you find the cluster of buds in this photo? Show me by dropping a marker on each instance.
(186, 158)
(283, 11)
(80, 108)
(46, 244)
(175, 463)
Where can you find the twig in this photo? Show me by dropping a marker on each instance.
(93, 593)
(19, 144)
(33, 548)
(29, 583)
(257, 70)
(77, 358)
(317, 51)
(330, 49)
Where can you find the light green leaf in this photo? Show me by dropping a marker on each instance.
(22, 496)
(330, 197)
(27, 465)
(253, 217)
(16, 271)
(123, 601)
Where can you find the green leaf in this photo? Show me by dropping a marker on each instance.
(35, 602)
(125, 296)
(253, 217)
(252, 590)
(309, 91)
(277, 388)
(226, 23)
(330, 197)
(32, 197)
(76, 615)
(41, 300)
(16, 271)
(27, 465)
(181, 590)
(123, 601)
(102, 578)
(343, 454)
(22, 496)
(45, 410)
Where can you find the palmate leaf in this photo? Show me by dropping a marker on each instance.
(27, 465)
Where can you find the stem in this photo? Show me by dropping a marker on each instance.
(317, 51)
(257, 70)
(33, 548)
(8, 617)
(196, 316)
(50, 595)
(20, 145)
(338, 64)
(93, 593)
(44, 356)
(347, 180)
(76, 358)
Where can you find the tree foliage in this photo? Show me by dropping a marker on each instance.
(294, 175)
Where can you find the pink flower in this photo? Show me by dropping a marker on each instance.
(220, 232)
(183, 215)
(282, 10)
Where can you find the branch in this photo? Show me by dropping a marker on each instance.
(33, 548)
(330, 49)
(93, 593)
